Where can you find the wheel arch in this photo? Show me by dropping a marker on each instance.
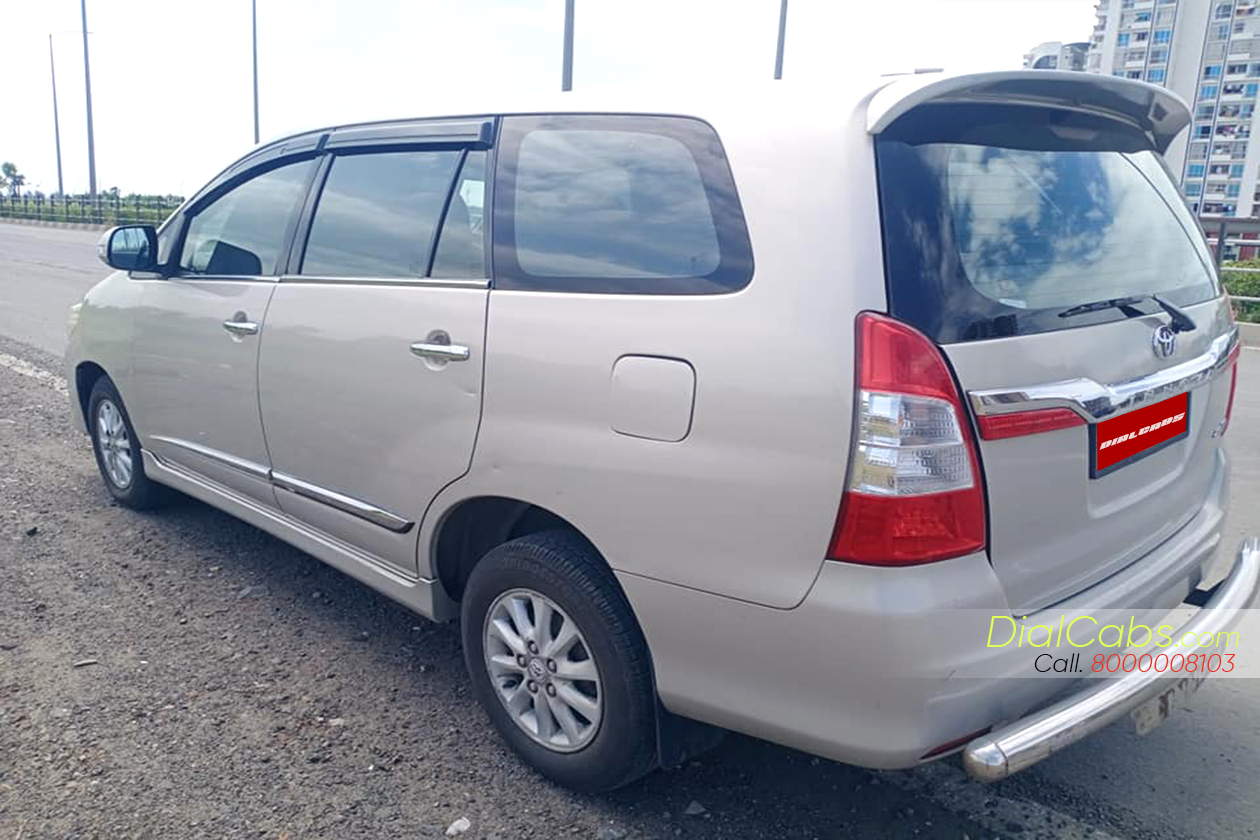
(86, 375)
(473, 526)
(477, 524)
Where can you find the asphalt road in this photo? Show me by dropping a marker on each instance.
(239, 688)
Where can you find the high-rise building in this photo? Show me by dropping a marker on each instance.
(1056, 55)
(1208, 51)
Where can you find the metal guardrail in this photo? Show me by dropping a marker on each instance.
(104, 209)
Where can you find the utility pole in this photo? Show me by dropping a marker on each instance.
(254, 11)
(778, 57)
(566, 73)
(52, 66)
(87, 86)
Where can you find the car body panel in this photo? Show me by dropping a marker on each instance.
(195, 384)
(866, 669)
(770, 429)
(102, 335)
(1054, 530)
(348, 407)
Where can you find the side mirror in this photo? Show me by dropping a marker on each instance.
(129, 248)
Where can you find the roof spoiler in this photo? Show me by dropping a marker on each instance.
(1156, 111)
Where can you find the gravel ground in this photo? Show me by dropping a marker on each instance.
(182, 674)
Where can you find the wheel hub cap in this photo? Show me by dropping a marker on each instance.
(542, 670)
(114, 444)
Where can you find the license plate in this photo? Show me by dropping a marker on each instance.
(1130, 437)
(1151, 714)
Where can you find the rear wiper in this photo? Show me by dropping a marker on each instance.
(1181, 322)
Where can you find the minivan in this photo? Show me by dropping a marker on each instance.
(705, 413)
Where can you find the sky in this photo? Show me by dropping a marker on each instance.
(171, 79)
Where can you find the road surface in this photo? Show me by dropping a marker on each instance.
(240, 688)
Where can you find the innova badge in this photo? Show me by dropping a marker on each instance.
(1164, 341)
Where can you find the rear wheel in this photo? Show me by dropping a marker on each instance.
(118, 450)
(559, 663)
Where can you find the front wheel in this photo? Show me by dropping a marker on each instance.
(117, 450)
(559, 663)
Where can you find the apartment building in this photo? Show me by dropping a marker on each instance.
(1208, 51)
(1056, 55)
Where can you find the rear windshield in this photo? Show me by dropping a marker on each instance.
(998, 218)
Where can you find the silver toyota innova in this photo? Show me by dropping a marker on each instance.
(705, 414)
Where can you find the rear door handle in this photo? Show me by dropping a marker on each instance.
(443, 352)
(239, 325)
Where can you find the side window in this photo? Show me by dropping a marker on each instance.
(378, 213)
(460, 250)
(617, 204)
(242, 232)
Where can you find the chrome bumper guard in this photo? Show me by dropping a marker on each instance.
(1021, 744)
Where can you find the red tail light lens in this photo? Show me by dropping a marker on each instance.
(913, 494)
(1233, 388)
(1020, 423)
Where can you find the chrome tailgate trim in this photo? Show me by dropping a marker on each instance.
(1094, 401)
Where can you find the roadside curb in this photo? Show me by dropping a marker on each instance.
(48, 223)
(1250, 334)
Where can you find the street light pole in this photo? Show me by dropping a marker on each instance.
(778, 57)
(566, 73)
(254, 13)
(87, 87)
(52, 66)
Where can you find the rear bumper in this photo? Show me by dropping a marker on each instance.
(1023, 743)
(882, 667)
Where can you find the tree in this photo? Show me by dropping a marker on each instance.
(14, 179)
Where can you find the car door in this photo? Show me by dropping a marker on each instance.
(370, 375)
(197, 333)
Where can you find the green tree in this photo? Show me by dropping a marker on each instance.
(13, 178)
(1247, 285)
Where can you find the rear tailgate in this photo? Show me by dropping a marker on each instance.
(1000, 221)
(1053, 529)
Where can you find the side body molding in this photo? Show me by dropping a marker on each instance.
(347, 504)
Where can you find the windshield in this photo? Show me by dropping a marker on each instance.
(996, 222)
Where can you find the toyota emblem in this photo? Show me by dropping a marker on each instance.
(1164, 341)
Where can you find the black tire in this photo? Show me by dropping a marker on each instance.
(567, 570)
(139, 493)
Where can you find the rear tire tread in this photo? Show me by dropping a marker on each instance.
(563, 562)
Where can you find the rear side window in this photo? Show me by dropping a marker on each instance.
(461, 250)
(378, 214)
(242, 232)
(998, 219)
(617, 204)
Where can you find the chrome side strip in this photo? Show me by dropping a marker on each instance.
(240, 464)
(340, 501)
(431, 282)
(1094, 401)
(346, 504)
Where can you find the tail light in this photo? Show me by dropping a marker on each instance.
(913, 494)
(1020, 423)
(1233, 387)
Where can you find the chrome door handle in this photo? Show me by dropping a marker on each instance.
(238, 328)
(443, 352)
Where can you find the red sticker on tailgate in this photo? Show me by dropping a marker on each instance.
(1121, 439)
